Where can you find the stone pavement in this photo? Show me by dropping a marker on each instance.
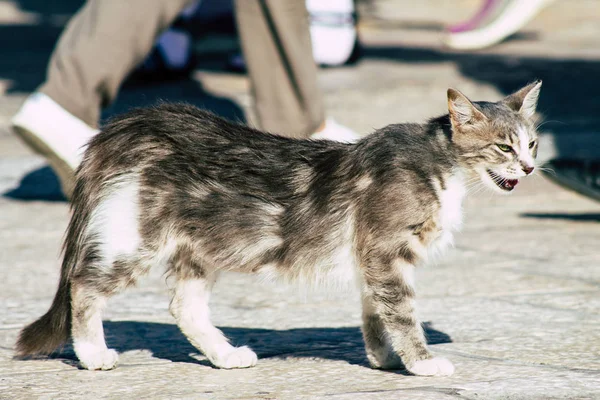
(515, 305)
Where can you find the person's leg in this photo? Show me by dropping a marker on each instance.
(101, 44)
(333, 34)
(277, 48)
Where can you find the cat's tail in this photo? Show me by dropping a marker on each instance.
(53, 329)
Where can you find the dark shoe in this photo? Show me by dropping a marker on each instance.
(582, 176)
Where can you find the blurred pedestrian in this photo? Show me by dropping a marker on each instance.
(495, 21)
(106, 39)
(579, 175)
(333, 34)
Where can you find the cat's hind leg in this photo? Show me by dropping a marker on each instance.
(189, 306)
(91, 287)
(106, 243)
(86, 329)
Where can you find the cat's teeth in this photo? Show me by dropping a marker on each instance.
(503, 183)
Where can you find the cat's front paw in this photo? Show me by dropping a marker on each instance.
(103, 359)
(437, 366)
(239, 357)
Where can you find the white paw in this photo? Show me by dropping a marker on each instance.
(437, 366)
(239, 357)
(103, 359)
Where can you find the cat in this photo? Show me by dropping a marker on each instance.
(180, 188)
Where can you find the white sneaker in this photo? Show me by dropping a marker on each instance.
(336, 132)
(332, 30)
(51, 131)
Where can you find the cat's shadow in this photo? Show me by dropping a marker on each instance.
(165, 341)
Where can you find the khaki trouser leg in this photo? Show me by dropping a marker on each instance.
(100, 46)
(276, 42)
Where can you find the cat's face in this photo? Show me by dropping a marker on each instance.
(497, 141)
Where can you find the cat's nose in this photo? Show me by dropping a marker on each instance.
(527, 169)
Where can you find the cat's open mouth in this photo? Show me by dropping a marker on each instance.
(503, 183)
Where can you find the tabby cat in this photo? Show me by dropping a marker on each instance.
(178, 188)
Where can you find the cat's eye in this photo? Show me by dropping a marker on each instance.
(531, 144)
(504, 147)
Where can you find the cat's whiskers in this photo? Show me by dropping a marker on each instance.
(473, 182)
(471, 187)
(480, 189)
(538, 126)
(474, 186)
(545, 169)
(537, 175)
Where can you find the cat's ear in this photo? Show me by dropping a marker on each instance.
(462, 110)
(525, 100)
